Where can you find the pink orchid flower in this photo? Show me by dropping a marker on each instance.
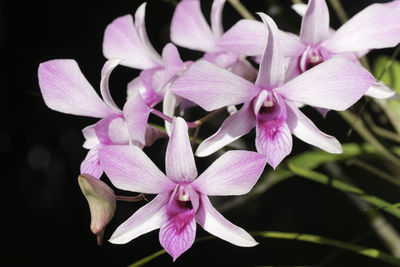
(65, 89)
(270, 103)
(377, 26)
(182, 199)
(190, 29)
(128, 40)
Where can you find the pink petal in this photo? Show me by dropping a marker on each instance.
(380, 90)
(300, 9)
(118, 132)
(304, 129)
(273, 139)
(140, 18)
(65, 89)
(136, 114)
(129, 168)
(395, 4)
(178, 233)
(248, 37)
(377, 26)
(102, 130)
(235, 126)
(153, 80)
(179, 159)
(272, 66)
(148, 218)
(104, 88)
(234, 173)
(153, 134)
(216, 17)
(91, 139)
(212, 87)
(135, 85)
(320, 86)
(244, 69)
(171, 58)
(121, 40)
(91, 164)
(170, 103)
(315, 23)
(189, 28)
(214, 223)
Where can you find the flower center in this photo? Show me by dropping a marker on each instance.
(311, 57)
(182, 194)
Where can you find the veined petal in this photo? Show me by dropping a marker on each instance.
(65, 89)
(148, 218)
(170, 102)
(274, 140)
(244, 69)
(178, 233)
(179, 159)
(272, 66)
(320, 86)
(300, 9)
(376, 26)
(102, 131)
(91, 164)
(315, 23)
(136, 114)
(304, 129)
(153, 134)
(189, 28)
(91, 139)
(216, 17)
(121, 40)
(135, 85)
(248, 37)
(129, 168)
(140, 26)
(234, 127)
(395, 4)
(380, 90)
(104, 88)
(117, 131)
(234, 173)
(214, 223)
(171, 57)
(212, 87)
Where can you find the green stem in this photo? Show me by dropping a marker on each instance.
(368, 252)
(382, 132)
(373, 170)
(323, 179)
(358, 125)
(241, 9)
(339, 11)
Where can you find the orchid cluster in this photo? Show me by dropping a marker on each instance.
(261, 75)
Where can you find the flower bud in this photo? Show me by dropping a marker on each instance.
(102, 203)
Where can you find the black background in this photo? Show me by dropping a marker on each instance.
(45, 218)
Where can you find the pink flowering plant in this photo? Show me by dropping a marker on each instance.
(252, 75)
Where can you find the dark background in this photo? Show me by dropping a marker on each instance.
(45, 218)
